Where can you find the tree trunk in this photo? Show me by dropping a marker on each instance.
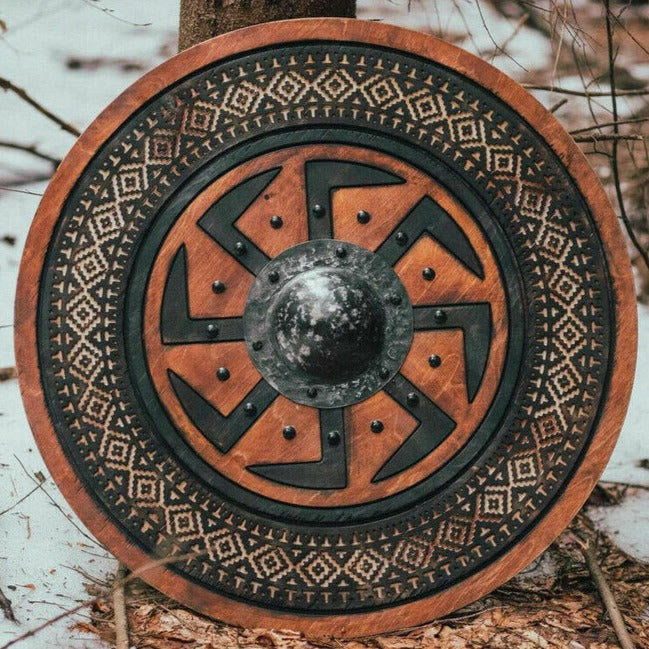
(203, 19)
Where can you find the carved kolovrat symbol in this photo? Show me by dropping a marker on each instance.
(371, 330)
(334, 313)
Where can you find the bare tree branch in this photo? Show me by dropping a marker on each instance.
(119, 607)
(607, 137)
(585, 93)
(5, 84)
(615, 167)
(599, 578)
(111, 13)
(19, 191)
(5, 605)
(593, 127)
(31, 148)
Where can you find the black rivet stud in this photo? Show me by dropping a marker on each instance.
(341, 252)
(428, 274)
(212, 331)
(440, 316)
(273, 277)
(289, 432)
(395, 299)
(223, 374)
(312, 393)
(434, 360)
(240, 248)
(318, 211)
(376, 426)
(218, 286)
(363, 217)
(250, 409)
(333, 437)
(257, 345)
(401, 238)
(384, 372)
(412, 399)
(276, 222)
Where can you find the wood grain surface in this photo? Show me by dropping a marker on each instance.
(157, 572)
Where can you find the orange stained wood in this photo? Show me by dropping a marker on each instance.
(568, 502)
(198, 364)
(366, 451)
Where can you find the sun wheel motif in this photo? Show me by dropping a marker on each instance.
(331, 325)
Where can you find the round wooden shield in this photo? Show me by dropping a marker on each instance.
(326, 325)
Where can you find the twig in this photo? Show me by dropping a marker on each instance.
(27, 495)
(5, 605)
(52, 620)
(585, 93)
(599, 578)
(31, 149)
(519, 25)
(616, 129)
(119, 607)
(40, 485)
(610, 137)
(491, 38)
(19, 191)
(631, 485)
(110, 13)
(558, 105)
(594, 127)
(5, 84)
(7, 373)
(91, 602)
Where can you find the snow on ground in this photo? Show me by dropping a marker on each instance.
(75, 58)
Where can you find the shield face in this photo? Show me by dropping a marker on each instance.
(344, 324)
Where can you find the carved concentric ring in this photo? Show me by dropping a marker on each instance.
(427, 413)
(137, 351)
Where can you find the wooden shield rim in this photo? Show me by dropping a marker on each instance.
(623, 357)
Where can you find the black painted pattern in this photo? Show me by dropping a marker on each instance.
(156, 498)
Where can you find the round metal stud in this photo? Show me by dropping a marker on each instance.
(289, 432)
(218, 286)
(412, 398)
(333, 438)
(212, 331)
(240, 248)
(440, 316)
(376, 426)
(318, 211)
(273, 277)
(250, 409)
(434, 360)
(223, 374)
(401, 238)
(257, 345)
(341, 252)
(363, 217)
(276, 222)
(384, 372)
(312, 392)
(428, 274)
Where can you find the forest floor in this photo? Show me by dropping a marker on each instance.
(75, 56)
